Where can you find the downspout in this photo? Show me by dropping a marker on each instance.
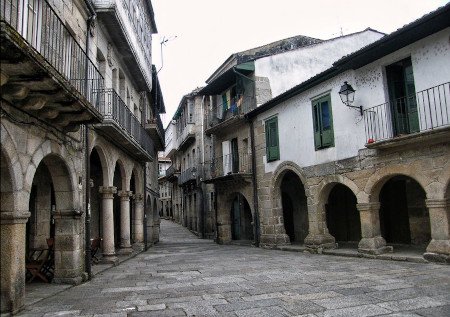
(87, 218)
(145, 207)
(202, 189)
(255, 186)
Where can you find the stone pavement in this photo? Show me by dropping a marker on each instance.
(186, 276)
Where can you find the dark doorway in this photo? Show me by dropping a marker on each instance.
(295, 209)
(404, 218)
(117, 182)
(241, 219)
(96, 180)
(343, 219)
(234, 155)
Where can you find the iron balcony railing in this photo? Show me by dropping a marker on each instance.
(426, 110)
(40, 26)
(189, 174)
(234, 163)
(114, 108)
(171, 171)
(236, 106)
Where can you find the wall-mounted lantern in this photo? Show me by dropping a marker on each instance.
(347, 94)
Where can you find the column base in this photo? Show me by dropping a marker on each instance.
(68, 280)
(375, 245)
(272, 240)
(138, 246)
(109, 259)
(438, 251)
(317, 242)
(125, 250)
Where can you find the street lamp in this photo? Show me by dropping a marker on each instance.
(347, 94)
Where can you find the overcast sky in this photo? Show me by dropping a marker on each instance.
(202, 34)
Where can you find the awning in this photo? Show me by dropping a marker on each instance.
(227, 79)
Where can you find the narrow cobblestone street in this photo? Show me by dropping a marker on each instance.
(186, 276)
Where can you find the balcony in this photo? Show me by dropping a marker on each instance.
(44, 71)
(172, 173)
(188, 176)
(423, 117)
(122, 127)
(223, 117)
(187, 136)
(155, 129)
(231, 167)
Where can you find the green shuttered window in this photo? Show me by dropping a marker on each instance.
(323, 122)
(272, 145)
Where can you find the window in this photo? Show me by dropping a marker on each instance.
(272, 144)
(323, 122)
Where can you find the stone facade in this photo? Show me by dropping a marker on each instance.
(71, 167)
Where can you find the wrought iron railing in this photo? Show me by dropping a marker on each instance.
(234, 163)
(114, 108)
(189, 174)
(40, 26)
(171, 171)
(237, 105)
(426, 110)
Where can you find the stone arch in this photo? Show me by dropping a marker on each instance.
(240, 216)
(326, 185)
(277, 178)
(376, 182)
(104, 162)
(138, 179)
(230, 197)
(123, 174)
(8, 183)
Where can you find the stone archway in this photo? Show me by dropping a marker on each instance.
(52, 197)
(404, 217)
(342, 216)
(294, 206)
(241, 219)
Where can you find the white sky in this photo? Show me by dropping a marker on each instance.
(202, 34)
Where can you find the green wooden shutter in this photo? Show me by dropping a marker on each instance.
(316, 124)
(323, 123)
(272, 144)
(327, 122)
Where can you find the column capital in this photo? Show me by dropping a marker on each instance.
(437, 203)
(138, 197)
(124, 194)
(107, 191)
(373, 206)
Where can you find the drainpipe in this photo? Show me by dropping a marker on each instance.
(202, 186)
(255, 186)
(87, 224)
(145, 208)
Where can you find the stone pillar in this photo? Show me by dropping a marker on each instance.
(109, 254)
(371, 240)
(318, 237)
(125, 239)
(273, 232)
(438, 249)
(68, 247)
(12, 259)
(138, 223)
(156, 229)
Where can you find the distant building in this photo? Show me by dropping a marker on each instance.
(165, 188)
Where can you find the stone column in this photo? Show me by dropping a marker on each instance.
(439, 247)
(318, 237)
(273, 232)
(12, 259)
(371, 240)
(68, 247)
(125, 236)
(138, 223)
(109, 254)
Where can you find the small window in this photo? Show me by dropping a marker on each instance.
(323, 123)
(272, 144)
